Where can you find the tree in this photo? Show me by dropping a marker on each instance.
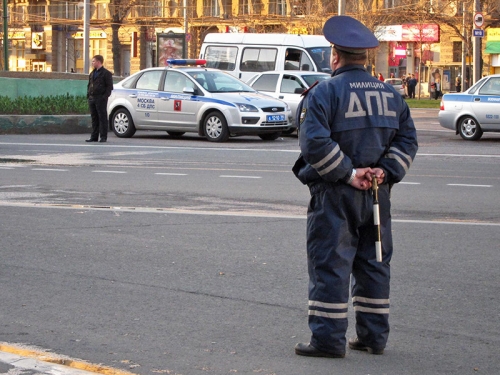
(119, 11)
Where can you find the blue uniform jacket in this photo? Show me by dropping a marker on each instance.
(353, 120)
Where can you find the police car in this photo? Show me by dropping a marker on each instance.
(184, 99)
(475, 111)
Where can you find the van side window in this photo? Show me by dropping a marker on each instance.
(266, 82)
(258, 59)
(221, 57)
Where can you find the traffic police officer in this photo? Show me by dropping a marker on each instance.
(352, 128)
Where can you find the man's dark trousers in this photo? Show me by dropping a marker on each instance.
(99, 115)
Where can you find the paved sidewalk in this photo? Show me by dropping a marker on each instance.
(13, 364)
(19, 360)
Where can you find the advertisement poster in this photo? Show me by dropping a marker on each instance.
(170, 46)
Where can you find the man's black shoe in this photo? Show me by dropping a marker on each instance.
(355, 344)
(102, 140)
(306, 349)
(91, 140)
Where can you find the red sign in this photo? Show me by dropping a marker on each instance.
(420, 33)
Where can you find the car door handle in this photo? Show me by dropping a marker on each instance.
(477, 99)
(133, 95)
(281, 97)
(165, 98)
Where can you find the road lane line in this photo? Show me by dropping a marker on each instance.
(109, 171)
(409, 183)
(249, 213)
(469, 185)
(170, 174)
(49, 169)
(229, 176)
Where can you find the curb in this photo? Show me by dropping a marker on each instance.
(51, 358)
(35, 124)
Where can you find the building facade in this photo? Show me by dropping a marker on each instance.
(416, 36)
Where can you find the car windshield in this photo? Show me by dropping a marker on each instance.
(311, 78)
(214, 82)
(478, 84)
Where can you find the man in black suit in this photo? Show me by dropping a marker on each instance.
(98, 90)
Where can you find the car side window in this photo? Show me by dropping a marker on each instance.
(492, 87)
(176, 82)
(266, 82)
(149, 80)
(289, 84)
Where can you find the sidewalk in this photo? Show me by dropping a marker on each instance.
(18, 360)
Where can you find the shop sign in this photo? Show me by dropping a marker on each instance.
(15, 35)
(408, 33)
(37, 40)
(92, 35)
(493, 35)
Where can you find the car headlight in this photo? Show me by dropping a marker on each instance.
(243, 107)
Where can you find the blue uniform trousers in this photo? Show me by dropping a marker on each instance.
(340, 242)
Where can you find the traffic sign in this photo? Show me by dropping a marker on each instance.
(478, 19)
(478, 33)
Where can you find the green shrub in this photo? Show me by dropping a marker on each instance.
(44, 105)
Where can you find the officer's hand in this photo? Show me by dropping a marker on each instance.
(379, 174)
(363, 179)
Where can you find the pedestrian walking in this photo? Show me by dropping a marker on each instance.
(98, 91)
(346, 141)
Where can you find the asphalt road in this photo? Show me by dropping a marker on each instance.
(157, 255)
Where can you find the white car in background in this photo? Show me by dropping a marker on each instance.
(286, 85)
(398, 84)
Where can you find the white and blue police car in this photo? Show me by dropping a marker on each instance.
(475, 111)
(180, 99)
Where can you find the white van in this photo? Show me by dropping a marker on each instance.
(245, 54)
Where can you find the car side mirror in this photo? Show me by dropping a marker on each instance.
(299, 90)
(188, 90)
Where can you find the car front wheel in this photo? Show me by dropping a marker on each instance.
(469, 129)
(123, 125)
(215, 127)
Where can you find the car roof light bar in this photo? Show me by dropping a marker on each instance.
(186, 62)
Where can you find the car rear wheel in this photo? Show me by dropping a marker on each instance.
(469, 129)
(175, 134)
(270, 136)
(215, 127)
(123, 125)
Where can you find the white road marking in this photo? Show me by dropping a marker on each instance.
(49, 169)
(171, 174)
(469, 185)
(409, 183)
(228, 176)
(109, 171)
(159, 210)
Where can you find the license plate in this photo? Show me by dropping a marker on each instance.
(272, 118)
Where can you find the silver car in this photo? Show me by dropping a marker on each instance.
(209, 102)
(474, 111)
(286, 85)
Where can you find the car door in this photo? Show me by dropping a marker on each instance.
(290, 91)
(177, 110)
(145, 98)
(267, 84)
(486, 103)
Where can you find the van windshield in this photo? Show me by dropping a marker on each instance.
(321, 57)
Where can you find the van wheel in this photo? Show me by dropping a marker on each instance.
(270, 136)
(123, 125)
(215, 127)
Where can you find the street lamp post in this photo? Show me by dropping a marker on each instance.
(86, 33)
(5, 38)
